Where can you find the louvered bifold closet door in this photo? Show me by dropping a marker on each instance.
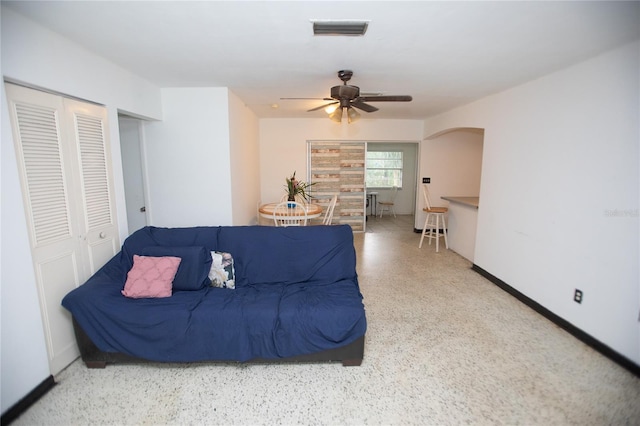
(45, 182)
(62, 152)
(93, 159)
(50, 206)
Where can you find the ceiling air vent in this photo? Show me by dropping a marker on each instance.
(344, 28)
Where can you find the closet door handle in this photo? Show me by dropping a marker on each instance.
(102, 235)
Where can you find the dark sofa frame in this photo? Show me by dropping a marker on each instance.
(350, 355)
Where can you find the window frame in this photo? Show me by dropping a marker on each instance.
(400, 170)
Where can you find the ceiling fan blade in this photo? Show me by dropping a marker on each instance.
(361, 105)
(315, 99)
(322, 106)
(390, 98)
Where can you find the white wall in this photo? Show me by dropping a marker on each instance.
(245, 162)
(453, 161)
(188, 159)
(560, 190)
(39, 57)
(283, 144)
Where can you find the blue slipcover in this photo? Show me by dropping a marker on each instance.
(296, 293)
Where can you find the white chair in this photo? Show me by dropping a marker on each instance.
(290, 213)
(328, 214)
(389, 204)
(432, 225)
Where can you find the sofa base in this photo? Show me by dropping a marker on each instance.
(350, 355)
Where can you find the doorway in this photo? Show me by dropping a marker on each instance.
(405, 202)
(132, 152)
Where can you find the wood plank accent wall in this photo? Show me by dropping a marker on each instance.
(338, 168)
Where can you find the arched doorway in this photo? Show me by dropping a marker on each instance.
(451, 162)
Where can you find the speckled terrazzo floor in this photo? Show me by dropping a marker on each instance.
(443, 347)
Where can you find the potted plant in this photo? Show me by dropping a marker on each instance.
(295, 187)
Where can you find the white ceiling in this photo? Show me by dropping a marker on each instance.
(443, 53)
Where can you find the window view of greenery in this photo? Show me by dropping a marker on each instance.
(384, 169)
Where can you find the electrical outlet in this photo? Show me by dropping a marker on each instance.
(577, 296)
(426, 180)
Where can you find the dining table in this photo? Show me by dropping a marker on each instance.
(313, 210)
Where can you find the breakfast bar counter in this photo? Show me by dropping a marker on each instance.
(461, 224)
(465, 201)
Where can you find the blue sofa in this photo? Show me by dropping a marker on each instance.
(296, 298)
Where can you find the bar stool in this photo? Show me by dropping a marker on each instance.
(430, 229)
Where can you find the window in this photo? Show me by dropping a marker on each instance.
(384, 169)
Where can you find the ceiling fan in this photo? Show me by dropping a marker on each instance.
(347, 97)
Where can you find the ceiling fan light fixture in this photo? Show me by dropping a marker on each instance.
(340, 28)
(330, 108)
(346, 96)
(352, 115)
(336, 115)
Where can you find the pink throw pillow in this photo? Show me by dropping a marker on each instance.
(151, 276)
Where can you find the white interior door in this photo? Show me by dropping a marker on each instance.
(99, 228)
(66, 183)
